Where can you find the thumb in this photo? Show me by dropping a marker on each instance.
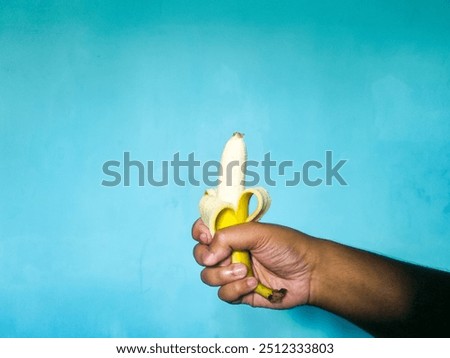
(248, 236)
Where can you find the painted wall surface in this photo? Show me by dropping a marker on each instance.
(82, 82)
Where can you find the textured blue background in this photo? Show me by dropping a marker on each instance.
(83, 81)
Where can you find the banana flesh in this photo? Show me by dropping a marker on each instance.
(228, 205)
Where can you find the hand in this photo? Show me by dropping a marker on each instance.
(386, 297)
(281, 258)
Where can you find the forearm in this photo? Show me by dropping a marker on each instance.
(383, 296)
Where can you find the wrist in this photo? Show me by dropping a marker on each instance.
(320, 259)
(359, 285)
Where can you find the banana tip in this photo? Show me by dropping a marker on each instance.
(238, 134)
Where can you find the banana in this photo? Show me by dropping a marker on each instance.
(228, 205)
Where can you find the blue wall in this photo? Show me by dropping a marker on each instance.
(81, 82)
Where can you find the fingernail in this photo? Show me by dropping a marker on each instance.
(239, 270)
(252, 282)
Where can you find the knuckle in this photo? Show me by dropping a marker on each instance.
(230, 293)
(193, 229)
(204, 276)
(223, 294)
(197, 254)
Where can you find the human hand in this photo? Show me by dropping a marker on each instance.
(386, 297)
(281, 258)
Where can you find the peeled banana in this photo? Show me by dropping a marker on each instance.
(228, 205)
